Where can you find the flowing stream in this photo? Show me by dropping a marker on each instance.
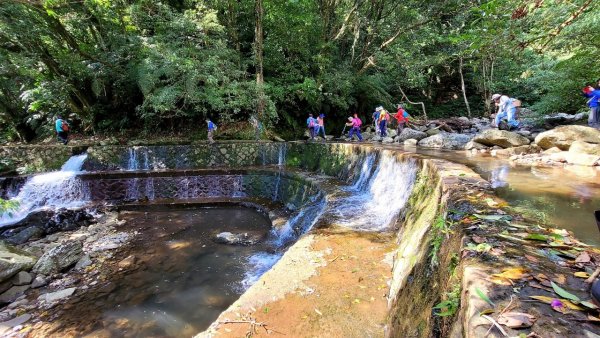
(54, 190)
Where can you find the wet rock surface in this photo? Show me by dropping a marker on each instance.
(237, 239)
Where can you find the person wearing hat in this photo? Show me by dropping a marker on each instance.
(384, 117)
(506, 110)
(355, 123)
(320, 126)
(593, 103)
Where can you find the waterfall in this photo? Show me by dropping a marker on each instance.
(57, 189)
(282, 154)
(132, 163)
(366, 170)
(377, 198)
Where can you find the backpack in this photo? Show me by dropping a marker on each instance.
(64, 126)
(311, 123)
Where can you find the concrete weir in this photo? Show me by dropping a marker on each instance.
(382, 241)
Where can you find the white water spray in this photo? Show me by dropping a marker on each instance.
(54, 190)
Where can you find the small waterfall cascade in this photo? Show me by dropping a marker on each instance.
(57, 189)
(378, 195)
(138, 159)
(282, 154)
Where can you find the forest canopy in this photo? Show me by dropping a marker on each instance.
(145, 65)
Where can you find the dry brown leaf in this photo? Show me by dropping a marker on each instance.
(478, 239)
(531, 258)
(566, 302)
(583, 257)
(560, 279)
(593, 319)
(516, 320)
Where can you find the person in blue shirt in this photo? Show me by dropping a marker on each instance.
(211, 129)
(506, 110)
(62, 130)
(593, 103)
(311, 124)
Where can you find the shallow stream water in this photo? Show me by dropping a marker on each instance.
(181, 279)
(558, 197)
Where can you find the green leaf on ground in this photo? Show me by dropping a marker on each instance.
(484, 297)
(537, 237)
(563, 293)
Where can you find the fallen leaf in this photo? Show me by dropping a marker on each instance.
(581, 274)
(318, 312)
(356, 301)
(516, 320)
(563, 293)
(560, 279)
(493, 218)
(589, 305)
(486, 312)
(539, 286)
(536, 237)
(483, 296)
(584, 257)
(593, 319)
(478, 239)
(531, 258)
(508, 275)
(565, 302)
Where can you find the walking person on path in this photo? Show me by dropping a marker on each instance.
(355, 123)
(257, 127)
(593, 95)
(401, 118)
(211, 129)
(320, 126)
(62, 130)
(384, 117)
(376, 120)
(311, 123)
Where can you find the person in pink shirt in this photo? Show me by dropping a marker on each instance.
(355, 123)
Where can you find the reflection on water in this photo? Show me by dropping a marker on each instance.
(563, 197)
(181, 280)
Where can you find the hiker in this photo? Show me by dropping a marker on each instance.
(507, 108)
(376, 120)
(211, 129)
(355, 123)
(401, 118)
(320, 126)
(384, 117)
(593, 103)
(311, 123)
(62, 130)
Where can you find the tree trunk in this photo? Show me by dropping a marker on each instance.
(258, 50)
(462, 85)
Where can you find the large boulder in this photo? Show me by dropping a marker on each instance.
(501, 138)
(445, 140)
(408, 133)
(551, 121)
(59, 258)
(584, 148)
(563, 137)
(13, 260)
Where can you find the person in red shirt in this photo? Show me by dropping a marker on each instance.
(402, 118)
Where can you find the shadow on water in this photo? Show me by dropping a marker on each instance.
(559, 197)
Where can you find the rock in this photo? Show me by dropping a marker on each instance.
(110, 242)
(387, 140)
(552, 150)
(22, 278)
(279, 139)
(376, 138)
(39, 281)
(25, 234)
(59, 258)
(13, 293)
(327, 137)
(445, 140)
(127, 262)
(8, 325)
(522, 150)
(582, 159)
(563, 137)
(392, 133)
(58, 295)
(13, 260)
(474, 145)
(559, 157)
(432, 131)
(501, 138)
(584, 148)
(237, 239)
(411, 142)
(408, 133)
(83, 262)
(551, 121)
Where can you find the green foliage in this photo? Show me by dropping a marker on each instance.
(8, 206)
(450, 305)
(165, 66)
(440, 230)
